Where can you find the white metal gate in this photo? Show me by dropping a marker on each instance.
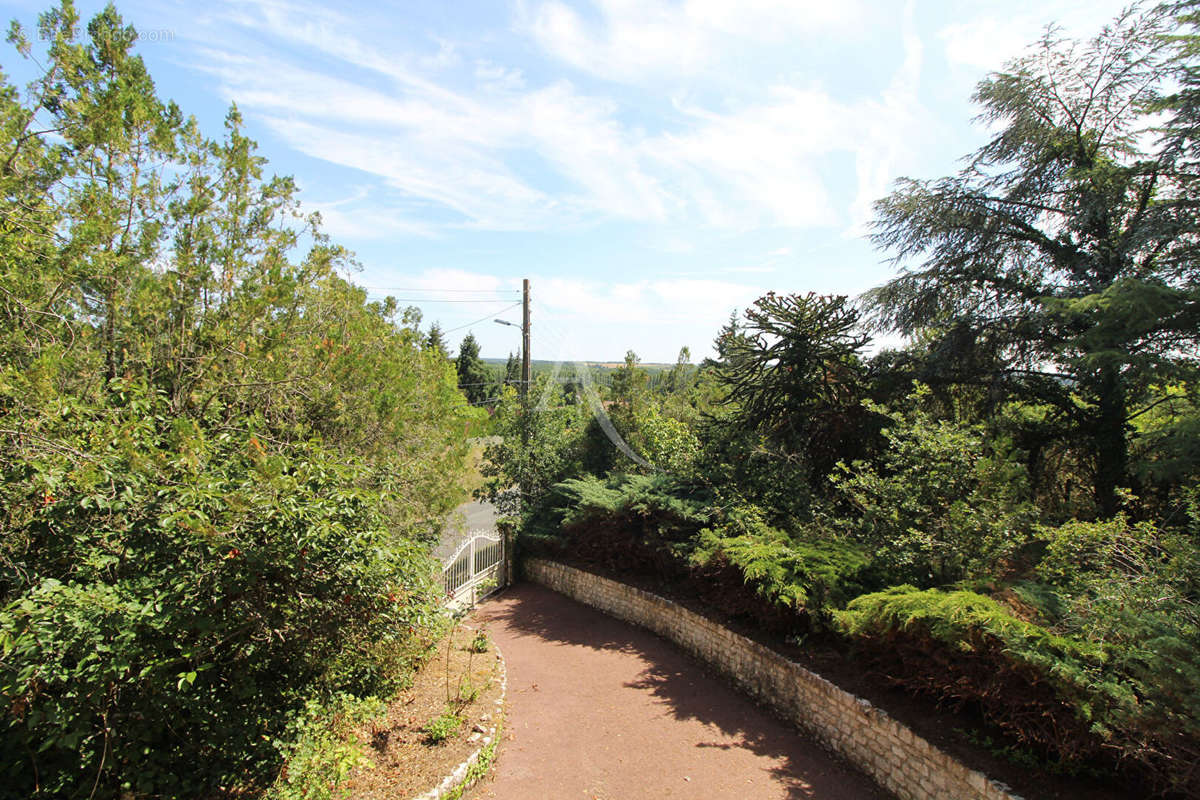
(475, 570)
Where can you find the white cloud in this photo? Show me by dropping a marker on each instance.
(757, 165)
(891, 127)
(645, 40)
(498, 151)
(997, 34)
(476, 186)
(444, 278)
(580, 319)
(363, 216)
(577, 318)
(985, 43)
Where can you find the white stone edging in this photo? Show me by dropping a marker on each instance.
(890, 752)
(456, 779)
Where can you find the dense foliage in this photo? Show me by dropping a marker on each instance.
(1005, 514)
(1059, 265)
(221, 465)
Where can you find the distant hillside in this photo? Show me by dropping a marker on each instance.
(541, 365)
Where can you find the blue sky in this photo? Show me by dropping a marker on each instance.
(650, 165)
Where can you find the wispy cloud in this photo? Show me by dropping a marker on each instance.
(581, 318)
(578, 317)
(647, 40)
(362, 216)
(892, 125)
(995, 33)
(490, 148)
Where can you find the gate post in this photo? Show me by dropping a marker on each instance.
(471, 561)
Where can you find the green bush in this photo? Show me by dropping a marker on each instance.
(668, 507)
(1078, 692)
(321, 750)
(659, 526)
(168, 608)
(534, 450)
(944, 503)
(804, 575)
(442, 728)
(481, 642)
(220, 465)
(643, 522)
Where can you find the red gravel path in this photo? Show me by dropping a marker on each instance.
(600, 709)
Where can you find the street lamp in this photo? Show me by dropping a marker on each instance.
(525, 378)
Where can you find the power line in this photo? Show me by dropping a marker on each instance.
(414, 289)
(490, 383)
(482, 319)
(440, 300)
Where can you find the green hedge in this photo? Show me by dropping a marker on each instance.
(184, 602)
(1076, 700)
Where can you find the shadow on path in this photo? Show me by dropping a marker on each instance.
(598, 708)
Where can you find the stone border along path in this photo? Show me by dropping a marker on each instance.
(889, 751)
(601, 710)
(454, 785)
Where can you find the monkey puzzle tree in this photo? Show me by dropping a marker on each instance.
(791, 380)
(1055, 265)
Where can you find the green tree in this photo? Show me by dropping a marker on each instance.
(945, 500)
(682, 375)
(474, 377)
(1056, 266)
(537, 448)
(512, 370)
(792, 374)
(218, 462)
(728, 334)
(630, 383)
(436, 342)
(630, 400)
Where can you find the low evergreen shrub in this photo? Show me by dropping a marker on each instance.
(657, 527)
(1079, 699)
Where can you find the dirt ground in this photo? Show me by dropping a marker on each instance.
(404, 763)
(598, 709)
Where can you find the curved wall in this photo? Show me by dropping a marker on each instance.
(898, 759)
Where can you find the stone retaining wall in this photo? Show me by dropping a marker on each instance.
(898, 759)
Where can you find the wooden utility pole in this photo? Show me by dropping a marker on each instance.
(523, 487)
(525, 339)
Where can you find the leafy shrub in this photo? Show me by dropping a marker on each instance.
(636, 523)
(1077, 696)
(668, 444)
(481, 642)
(1136, 589)
(668, 507)
(218, 460)
(187, 600)
(803, 575)
(944, 502)
(442, 728)
(534, 449)
(730, 557)
(320, 750)
(967, 647)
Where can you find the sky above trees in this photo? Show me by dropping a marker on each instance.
(650, 165)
